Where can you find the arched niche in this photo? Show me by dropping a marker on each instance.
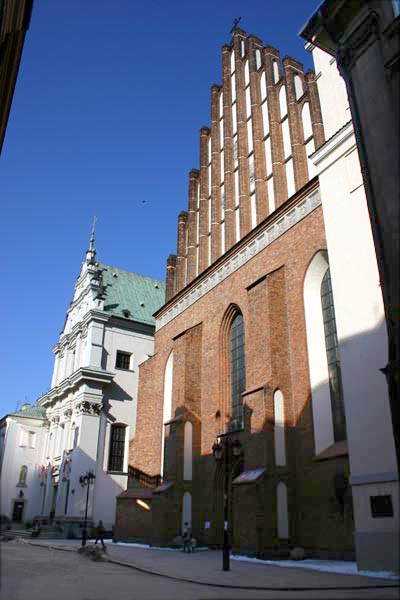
(187, 509)
(279, 429)
(187, 451)
(282, 520)
(167, 404)
(317, 360)
(298, 86)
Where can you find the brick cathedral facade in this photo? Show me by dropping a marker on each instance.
(246, 252)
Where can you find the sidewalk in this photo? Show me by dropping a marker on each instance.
(205, 568)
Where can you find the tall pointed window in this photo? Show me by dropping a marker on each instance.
(238, 370)
(332, 355)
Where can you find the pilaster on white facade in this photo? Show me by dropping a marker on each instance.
(94, 344)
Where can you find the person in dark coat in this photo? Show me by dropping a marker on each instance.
(100, 531)
(187, 538)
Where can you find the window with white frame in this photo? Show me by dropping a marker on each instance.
(117, 448)
(123, 360)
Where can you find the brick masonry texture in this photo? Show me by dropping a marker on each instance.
(268, 291)
(200, 230)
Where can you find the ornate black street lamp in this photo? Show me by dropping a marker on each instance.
(86, 480)
(226, 452)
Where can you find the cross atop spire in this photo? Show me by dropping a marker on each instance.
(91, 253)
(235, 24)
(91, 246)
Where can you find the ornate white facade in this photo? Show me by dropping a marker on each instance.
(89, 414)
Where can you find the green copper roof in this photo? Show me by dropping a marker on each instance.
(141, 296)
(33, 412)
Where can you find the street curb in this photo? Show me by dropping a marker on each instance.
(227, 586)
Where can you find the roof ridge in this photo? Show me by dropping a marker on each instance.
(32, 411)
(131, 272)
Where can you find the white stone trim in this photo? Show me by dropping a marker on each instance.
(335, 141)
(293, 216)
(373, 478)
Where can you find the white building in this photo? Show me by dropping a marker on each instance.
(85, 421)
(361, 328)
(22, 440)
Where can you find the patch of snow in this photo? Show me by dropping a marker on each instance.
(328, 566)
(127, 544)
(137, 545)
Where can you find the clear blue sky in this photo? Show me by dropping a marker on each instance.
(107, 109)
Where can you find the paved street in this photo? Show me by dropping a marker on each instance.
(53, 569)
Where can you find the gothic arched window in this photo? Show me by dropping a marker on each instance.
(238, 370)
(332, 355)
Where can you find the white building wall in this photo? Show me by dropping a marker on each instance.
(122, 393)
(332, 93)
(121, 399)
(360, 322)
(91, 451)
(88, 395)
(15, 456)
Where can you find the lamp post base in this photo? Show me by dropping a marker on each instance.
(225, 551)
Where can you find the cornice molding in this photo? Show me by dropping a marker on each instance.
(286, 221)
(336, 140)
(357, 42)
(92, 315)
(82, 375)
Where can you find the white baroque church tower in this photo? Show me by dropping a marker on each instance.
(85, 421)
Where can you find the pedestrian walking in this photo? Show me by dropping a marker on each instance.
(187, 538)
(100, 531)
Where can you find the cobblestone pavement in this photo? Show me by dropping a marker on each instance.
(53, 569)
